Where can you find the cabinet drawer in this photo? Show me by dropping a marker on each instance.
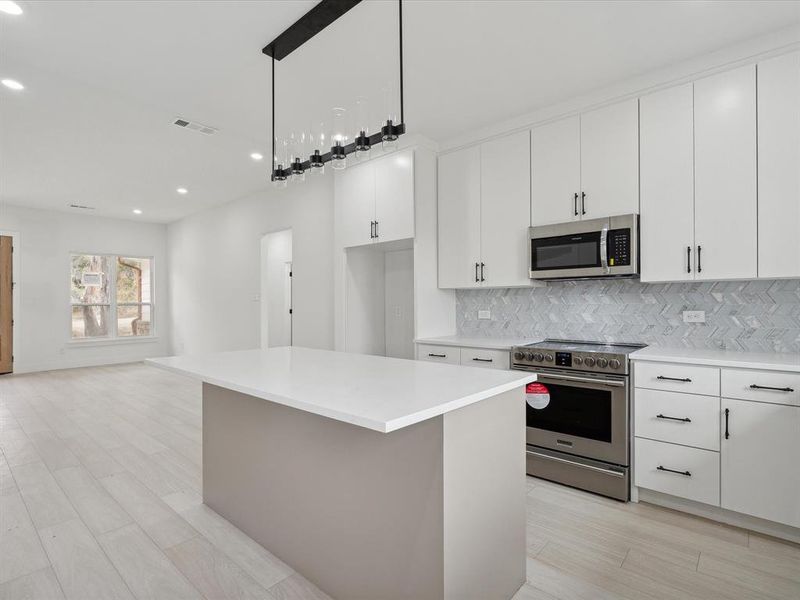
(492, 359)
(762, 386)
(697, 476)
(673, 377)
(687, 419)
(445, 354)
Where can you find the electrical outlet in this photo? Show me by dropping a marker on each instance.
(484, 314)
(694, 316)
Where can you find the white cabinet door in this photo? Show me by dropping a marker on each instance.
(667, 185)
(760, 475)
(725, 174)
(355, 193)
(779, 166)
(610, 160)
(459, 202)
(505, 210)
(394, 196)
(556, 172)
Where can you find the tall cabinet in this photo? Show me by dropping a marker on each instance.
(586, 166)
(484, 212)
(779, 166)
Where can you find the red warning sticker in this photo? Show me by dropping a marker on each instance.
(537, 395)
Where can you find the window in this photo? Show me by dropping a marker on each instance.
(112, 296)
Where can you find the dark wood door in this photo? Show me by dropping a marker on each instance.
(6, 306)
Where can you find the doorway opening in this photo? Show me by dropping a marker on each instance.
(6, 304)
(276, 289)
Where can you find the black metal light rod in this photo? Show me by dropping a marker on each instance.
(307, 26)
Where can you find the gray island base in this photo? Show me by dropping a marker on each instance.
(430, 511)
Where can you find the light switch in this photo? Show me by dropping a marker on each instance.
(694, 316)
(484, 314)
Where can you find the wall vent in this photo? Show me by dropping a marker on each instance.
(81, 207)
(194, 126)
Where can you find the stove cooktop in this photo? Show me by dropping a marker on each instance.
(595, 357)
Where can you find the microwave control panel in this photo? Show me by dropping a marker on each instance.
(619, 247)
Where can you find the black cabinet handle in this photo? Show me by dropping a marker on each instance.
(482, 278)
(682, 379)
(476, 272)
(372, 230)
(685, 473)
(682, 419)
(483, 359)
(766, 387)
(688, 259)
(437, 355)
(583, 203)
(377, 234)
(727, 433)
(699, 261)
(575, 203)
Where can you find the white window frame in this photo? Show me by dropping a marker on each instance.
(113, 332)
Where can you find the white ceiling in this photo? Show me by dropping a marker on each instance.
(105, 79)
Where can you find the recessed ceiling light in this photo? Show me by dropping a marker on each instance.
(10, 8)
(12, 84)
(137, 211)
(256, 156)
(182, 191)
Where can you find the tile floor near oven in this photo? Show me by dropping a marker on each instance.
(100, 479)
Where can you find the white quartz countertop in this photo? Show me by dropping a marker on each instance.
(383, 394)
(721, 358)
(476, 342)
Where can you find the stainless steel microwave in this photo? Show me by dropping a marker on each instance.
(607, 247)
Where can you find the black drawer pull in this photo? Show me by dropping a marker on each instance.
(683, 420)
(727, 416)
(483, 359)
(685, 473)
(683, 379)
(437, 355)
(766, 387)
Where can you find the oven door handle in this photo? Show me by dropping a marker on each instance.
(583, 380)
(577, 464)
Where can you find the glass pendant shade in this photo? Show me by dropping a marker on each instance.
(281, 172)
(297, 156)
(338, 138)
(389, 131)
(362, 143)
(316, 144)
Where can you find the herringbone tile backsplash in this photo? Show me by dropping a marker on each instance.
(755, 316)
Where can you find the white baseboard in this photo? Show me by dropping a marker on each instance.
(22, 368)
(722, 515)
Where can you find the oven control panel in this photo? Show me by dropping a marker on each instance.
(596, 362)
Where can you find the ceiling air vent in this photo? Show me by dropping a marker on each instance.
(81, 207)
(195, 126)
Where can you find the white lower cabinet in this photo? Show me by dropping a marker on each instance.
(678, 470)
(740, 454)
(465, 356)
(760, 455)
(445, 354)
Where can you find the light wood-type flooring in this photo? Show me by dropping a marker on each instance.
(100, 478)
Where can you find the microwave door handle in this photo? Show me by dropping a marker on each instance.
(604, 248)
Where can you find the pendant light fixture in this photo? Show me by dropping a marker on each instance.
(334, 145)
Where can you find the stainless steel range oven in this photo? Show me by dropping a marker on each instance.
(578, 414)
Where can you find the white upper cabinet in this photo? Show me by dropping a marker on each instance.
(725, 175)
(484, 212)
(556, 172)
(355, 190)
(394, 196)
(505, 210)
(587, 166)
(760, 476)
(376, 200)
(459, 201)
(667, 185)
(779, 166)
(610, 160)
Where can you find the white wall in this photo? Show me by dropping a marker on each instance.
(214, 262)
(42, 321)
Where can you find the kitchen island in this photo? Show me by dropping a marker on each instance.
(375, 478)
